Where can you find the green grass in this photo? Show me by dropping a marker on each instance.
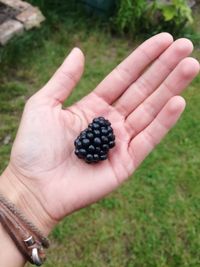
(153, 219)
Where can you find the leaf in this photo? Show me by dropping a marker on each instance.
(169, 12)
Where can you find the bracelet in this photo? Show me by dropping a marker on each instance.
(28, 239)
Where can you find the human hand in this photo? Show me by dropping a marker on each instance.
(140, 97)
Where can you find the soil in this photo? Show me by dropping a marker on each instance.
(7, 12)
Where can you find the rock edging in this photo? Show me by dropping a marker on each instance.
(27, 18)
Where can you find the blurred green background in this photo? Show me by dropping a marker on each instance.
(153, 220)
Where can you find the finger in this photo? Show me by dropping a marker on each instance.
(179, 79)
(153, 77)
(146, 140)
(132, 67)
(66, 77)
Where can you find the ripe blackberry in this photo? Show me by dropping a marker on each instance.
(94, 143)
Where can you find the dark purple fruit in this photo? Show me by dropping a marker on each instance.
(96, 120)
(110, 130)
(105, 147)
(97, 141)
(104, 139)
(95, 126)
(85, 142)
(96, 157)
(97, 149)
(104, 131)
(82, 152)
(91, 148)
(97, 133)
(89, 157)
(107, 123)
(111, 137)
(103, 157)
(94, 143)
(90, 135)
(111, 144)
(79, 144)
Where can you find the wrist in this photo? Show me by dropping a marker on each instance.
(9, 254)
(13, 188)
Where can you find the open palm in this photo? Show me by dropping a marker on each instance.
(140, 98)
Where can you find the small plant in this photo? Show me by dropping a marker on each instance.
(152, 16)
(129, 14)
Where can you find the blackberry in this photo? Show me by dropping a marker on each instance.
(94, 143)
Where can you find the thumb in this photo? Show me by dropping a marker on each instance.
(66, 77)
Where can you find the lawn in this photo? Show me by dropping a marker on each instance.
(153, 220)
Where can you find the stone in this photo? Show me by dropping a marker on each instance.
(8, 29)
(31, 17)
(16, 4)
(18, 15)
(7, 139)
(7, 12)
(191, 3)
